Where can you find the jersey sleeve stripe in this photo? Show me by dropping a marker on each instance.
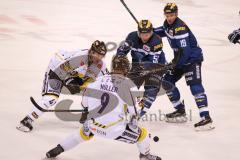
(177, 36)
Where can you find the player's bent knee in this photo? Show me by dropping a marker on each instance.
(143, 134)
(144, 141)
(197, 89)
(49, 100)
(46, 102)
(85, 136)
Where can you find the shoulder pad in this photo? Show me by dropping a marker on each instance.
(133, 34)
(156, 42)
(180, 28)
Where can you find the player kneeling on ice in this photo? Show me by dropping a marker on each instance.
(111, 124)
(74, 70)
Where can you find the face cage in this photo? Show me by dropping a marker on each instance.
(147, 32)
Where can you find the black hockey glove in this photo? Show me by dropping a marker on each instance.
(234, 37)
(73, 84)
(124, 48)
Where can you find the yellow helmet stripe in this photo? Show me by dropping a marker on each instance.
(148, 24)
(173, 5)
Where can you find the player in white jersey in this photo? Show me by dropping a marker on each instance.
(73, 70)
(112, 122)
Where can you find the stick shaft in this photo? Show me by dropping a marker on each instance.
(53, 110)
(129, 11)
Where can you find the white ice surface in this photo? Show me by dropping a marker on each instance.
(32, 30)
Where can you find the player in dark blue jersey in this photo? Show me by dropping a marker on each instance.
(180, 37)
(146, 51)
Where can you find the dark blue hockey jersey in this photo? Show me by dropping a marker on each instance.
(144, 52)
(180, 36)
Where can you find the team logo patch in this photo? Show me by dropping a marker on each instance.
(180, 29)
(170, 32)
(146, 48)
(98, 131)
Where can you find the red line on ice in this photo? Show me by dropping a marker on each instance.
(34, 20)
(6, 19)
(6, 30)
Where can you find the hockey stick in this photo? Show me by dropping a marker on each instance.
(129, 11)
(160, 67)
(134, 105)
(46, 110)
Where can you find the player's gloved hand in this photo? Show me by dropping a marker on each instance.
(74, 81)
(234, 37)
(124, 48)
(86, 81)
(73, 84)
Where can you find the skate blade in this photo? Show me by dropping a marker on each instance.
(205, 127)
(181, 119)
(23, 129)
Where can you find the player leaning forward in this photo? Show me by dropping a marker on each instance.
(181, 38)
(112, 124)
(74, 70)
(146, 51)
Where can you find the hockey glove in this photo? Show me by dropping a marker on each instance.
(124, 48)
(234, 37)
(73, 84)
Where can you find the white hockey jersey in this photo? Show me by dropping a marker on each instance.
(66, 64)
(111, 123)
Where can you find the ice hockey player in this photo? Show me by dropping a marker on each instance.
(112, 125)
(234, 37)
(182, 39)
(74, 70)
(146, 51)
